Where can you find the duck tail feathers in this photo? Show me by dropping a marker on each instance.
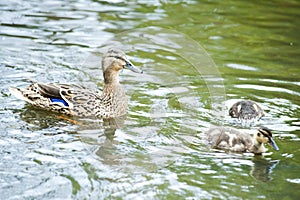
(18, 93)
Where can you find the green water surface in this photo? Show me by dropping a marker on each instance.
(198, 58)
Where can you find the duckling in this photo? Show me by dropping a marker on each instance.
(233, 140)
(75, 100)
(246, 111)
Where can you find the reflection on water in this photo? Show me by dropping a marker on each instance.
(263, 169)
(39, 119)
(155, 152)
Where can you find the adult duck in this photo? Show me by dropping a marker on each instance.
(75, 100)
(233, 140)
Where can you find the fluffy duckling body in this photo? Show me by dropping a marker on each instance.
(233, 140)
(75, 100)
(246, 111)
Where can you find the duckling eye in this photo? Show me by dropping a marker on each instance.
(258, 134)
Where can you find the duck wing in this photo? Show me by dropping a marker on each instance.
(81, 101)
(69, 99)
(49, 90)
(77, 95)
(71, 93)
(67, 94)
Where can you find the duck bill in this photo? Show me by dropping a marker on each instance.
(133, 68)
(273, 144)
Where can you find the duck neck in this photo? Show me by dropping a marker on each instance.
(111, 77)
(112, 87)
(257, 147)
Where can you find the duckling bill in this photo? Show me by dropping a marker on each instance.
(75, 100)
(233, 140)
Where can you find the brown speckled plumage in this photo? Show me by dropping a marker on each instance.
(81, 101)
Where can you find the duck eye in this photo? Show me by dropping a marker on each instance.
(258, 134)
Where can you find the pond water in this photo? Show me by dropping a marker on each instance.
(198, 58)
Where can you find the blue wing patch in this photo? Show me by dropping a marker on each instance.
(56, 100)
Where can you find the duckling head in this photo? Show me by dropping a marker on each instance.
(264, 136)
(112, 62)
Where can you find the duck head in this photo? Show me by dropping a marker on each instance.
(112, 62)
(264, 136)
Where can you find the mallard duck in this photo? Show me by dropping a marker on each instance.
(246, 111)
(75, 100)
(233, 140)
